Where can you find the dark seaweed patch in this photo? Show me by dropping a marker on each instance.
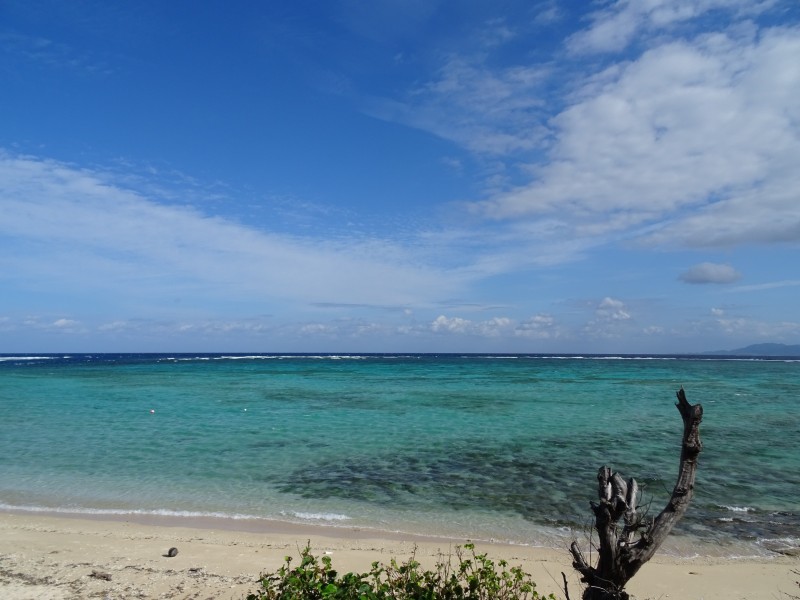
(457, 476)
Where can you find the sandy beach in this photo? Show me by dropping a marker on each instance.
(48, 557)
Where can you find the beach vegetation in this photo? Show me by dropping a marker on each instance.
(462, 575)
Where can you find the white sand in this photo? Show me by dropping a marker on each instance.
(54, 557)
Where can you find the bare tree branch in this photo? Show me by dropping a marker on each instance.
(621, 556)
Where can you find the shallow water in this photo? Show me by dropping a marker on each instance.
(478, 447)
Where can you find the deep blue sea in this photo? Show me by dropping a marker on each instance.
(481, 447)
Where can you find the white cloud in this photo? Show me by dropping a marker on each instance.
(759, 330)
(45, 324)
(611, 31)
(442, 324)
(76, 228)
(611, 319)
(548, 14)
(494, 327)
(615, 26)
(488, 328)
(695, 142)
(691, 139)
(488, 111)
(64, 323)
(710, 273)
(541, 326)
(767, 286)
(611, 309)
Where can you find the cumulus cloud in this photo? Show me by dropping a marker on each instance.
(611, 319)
(541, 326)
(695, 142)
(710, 273)
(611, 309)
(442, 324)
(691, 141)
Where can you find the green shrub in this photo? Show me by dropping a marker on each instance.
(469, 577)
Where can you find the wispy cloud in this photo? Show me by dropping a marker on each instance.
(542, 327)
(772, 285)
(114, 240)
(612, 319)
(45, 52)
(486, 110)
(59, 325)
(757, 329)
(548, 13)
(81, 232)
(619, 23)
(537, 327)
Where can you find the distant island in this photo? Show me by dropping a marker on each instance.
(762, 350)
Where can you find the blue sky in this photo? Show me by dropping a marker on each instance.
(509, 176)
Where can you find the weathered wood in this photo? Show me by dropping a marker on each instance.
(621, 556)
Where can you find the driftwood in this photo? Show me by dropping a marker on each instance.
(621, 553)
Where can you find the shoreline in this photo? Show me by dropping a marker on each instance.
(52, 557)
(678, 546)
(245, 525)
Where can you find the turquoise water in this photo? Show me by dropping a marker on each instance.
(479, 447)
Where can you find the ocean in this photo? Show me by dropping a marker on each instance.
(481, 447)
